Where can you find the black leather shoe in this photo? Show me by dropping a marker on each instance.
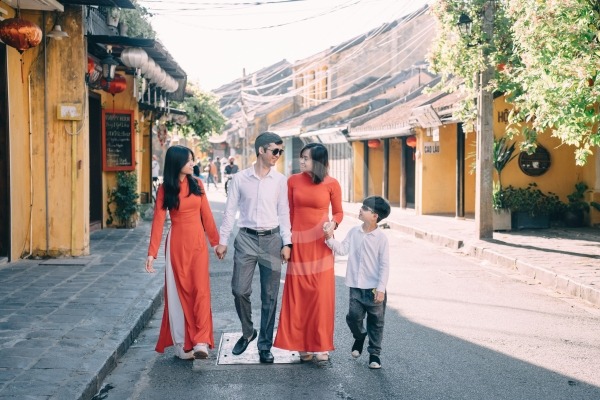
(242, 344)
(266, 357)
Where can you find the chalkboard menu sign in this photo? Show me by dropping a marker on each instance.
(118, 145)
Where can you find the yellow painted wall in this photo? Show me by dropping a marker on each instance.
(359, 161)
(126, 101)
(394, 170)
(60, 229)
(439, 172)
(20, 157)
(376, 161)
(563, 173)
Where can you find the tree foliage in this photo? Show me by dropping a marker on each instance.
(137, 22)
(204, 116)
(549, 53)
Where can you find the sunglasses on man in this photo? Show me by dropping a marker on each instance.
(276, 152)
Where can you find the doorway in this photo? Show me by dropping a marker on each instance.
(95, 154)
(4, 160)
(409, 168)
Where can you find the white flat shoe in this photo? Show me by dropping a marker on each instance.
(179, 352)
(201, 351)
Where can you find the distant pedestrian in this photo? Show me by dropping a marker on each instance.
(187, 317)
(367, 275)
(211, 169)
(259, 193)
(218, 168)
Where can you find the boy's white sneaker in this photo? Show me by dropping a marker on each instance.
(374, 362)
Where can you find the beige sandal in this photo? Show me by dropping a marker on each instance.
(322, 356)
(305, 357)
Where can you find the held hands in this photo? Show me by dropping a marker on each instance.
(286, 251)
(220, 251)
(328, 228)
(149, 268)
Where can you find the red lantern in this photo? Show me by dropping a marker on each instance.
(20, 33)
(374, 143)
(117, 85)
(411, 141)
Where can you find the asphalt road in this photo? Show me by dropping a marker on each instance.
(455, 329)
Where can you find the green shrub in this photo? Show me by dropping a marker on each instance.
(125, 200)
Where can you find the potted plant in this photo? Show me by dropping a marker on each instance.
(125, 199)
(532, 208)
(578, 210)
(502, 155)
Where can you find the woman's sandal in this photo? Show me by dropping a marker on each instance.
(305, 357)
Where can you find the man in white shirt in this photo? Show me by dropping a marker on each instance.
(259, 193)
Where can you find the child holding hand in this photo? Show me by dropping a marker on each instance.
(367, 276)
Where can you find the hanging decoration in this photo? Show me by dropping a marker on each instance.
(20, 34)
(411, 141)
(116, 85)
(374, 143)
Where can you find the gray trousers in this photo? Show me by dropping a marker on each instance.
(266, 252)
(361, 303)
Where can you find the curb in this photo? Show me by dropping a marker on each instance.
(141, 314)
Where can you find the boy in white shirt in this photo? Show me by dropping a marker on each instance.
(366, 275)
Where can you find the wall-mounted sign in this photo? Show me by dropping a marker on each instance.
(535, 164)
(118, 145)
(69, 112)
(431, 147)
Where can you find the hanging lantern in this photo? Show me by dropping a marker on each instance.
(117, 85)
(374, 143)
(20, 33)
(411, 141)
(134, 57)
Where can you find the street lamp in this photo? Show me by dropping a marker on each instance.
(465, 24)
(484, 228)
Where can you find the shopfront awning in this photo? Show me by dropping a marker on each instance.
(41, 5)
(328, 135)
(216, 139)
(153, 48)
(104, 3)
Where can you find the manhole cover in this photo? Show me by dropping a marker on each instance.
(250, 356)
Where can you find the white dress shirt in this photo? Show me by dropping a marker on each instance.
(262, 203)
(368, 258)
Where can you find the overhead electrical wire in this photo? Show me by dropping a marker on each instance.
(350, 43)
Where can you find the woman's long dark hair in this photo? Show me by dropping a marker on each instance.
(175, 159)
(320, 161)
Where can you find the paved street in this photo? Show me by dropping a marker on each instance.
(458, 326)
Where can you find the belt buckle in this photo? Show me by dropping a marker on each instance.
(262, 233)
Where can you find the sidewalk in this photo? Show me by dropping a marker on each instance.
(64, 323)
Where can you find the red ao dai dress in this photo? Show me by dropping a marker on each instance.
(187, 317)
(308, 305)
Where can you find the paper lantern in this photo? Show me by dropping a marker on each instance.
(20, 33)
(117, 85)
(411, 141)
(134, 57)
(374, 143)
